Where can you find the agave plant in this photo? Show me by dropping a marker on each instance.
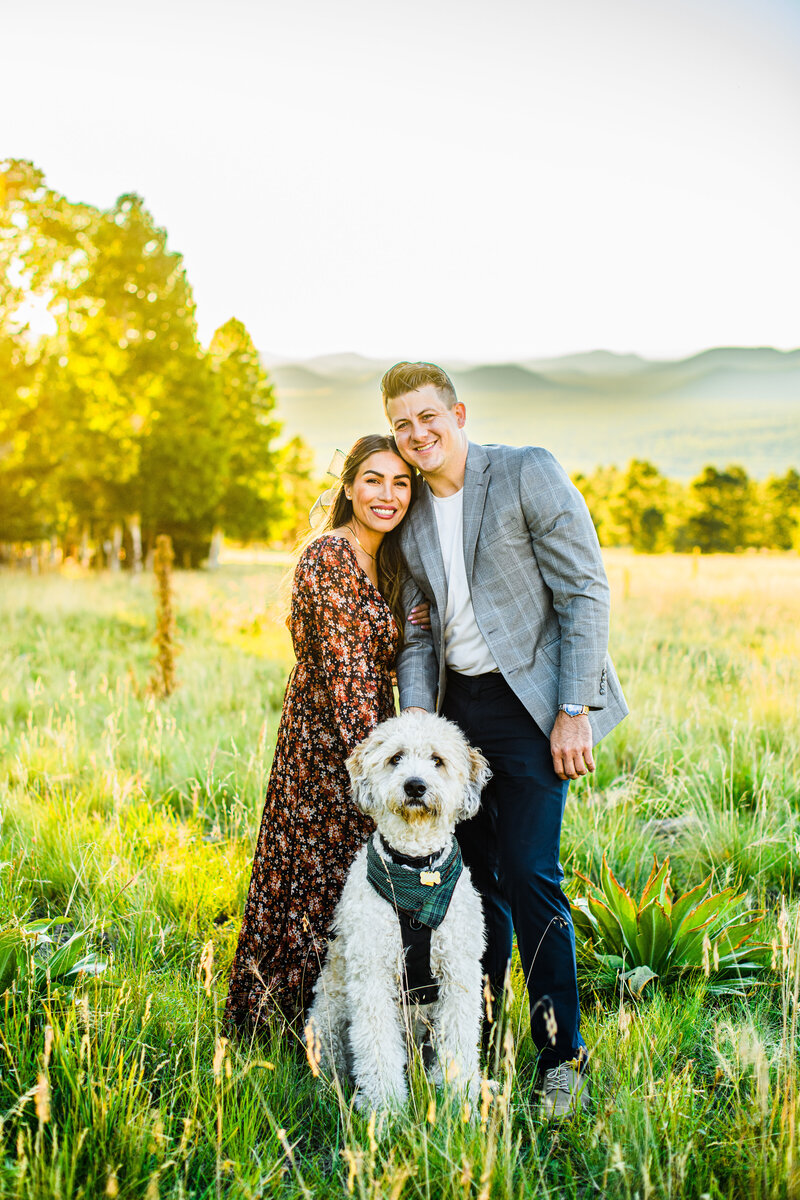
(29, 964)
(661, 938)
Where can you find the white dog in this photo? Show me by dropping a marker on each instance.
(402, 960)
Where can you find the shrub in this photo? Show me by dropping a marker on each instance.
(30, 962)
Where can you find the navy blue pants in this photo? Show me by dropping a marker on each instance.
(512, 849)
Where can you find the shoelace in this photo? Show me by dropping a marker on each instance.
(558, 1077)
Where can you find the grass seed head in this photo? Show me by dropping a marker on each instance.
(313, 1049)
(219, 1057)
(48, 1044)
(42, 1098)
(206, 966)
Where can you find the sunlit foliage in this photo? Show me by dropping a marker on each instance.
(115, 423)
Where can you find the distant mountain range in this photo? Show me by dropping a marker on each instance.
(726, 405)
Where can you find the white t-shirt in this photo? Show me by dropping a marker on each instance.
(464, 647)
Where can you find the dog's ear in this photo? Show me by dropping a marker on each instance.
(359, 780)
(479, 776)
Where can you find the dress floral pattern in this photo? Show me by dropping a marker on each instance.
(345, 639)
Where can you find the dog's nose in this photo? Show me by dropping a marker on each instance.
(415, 788)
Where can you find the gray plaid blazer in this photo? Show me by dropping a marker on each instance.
(539, 589)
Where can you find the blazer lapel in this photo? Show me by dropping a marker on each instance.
(476, 479)
(423, 520)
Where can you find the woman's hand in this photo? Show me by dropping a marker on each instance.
(421, 615)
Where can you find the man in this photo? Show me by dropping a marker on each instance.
(502, 546)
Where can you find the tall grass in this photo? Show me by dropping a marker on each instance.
(137, 818)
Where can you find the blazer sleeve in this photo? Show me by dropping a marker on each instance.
(417, 668)
(568, 555)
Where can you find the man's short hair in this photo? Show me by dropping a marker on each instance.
(406, 377)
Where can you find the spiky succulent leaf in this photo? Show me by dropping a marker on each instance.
(688, 901)
(591, 888)
(657, 886)
(611, 960)
(687, 949)
(611, 940)
(622, 905)
(585, 927)
(654, 935)
(638, 979)
(731, 941)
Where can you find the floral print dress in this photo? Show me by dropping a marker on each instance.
(345, 639)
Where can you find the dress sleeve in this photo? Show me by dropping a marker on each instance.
(344, 639)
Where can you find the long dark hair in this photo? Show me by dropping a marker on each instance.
(389, 561)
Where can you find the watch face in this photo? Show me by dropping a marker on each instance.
(572, 710)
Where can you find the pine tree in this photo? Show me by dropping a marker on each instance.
(251, 503)
(722, 511)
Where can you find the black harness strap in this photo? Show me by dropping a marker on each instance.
(419, 984)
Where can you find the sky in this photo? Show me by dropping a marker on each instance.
(477, 180)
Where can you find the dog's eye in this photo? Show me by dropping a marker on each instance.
(437, 762)
(395, 759)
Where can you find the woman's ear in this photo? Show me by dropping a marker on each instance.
(359, 780)
(477, 778)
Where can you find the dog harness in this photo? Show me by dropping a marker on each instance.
(421, 897)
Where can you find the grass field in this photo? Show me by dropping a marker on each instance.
(137, 819)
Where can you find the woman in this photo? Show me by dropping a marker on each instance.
(345, 621)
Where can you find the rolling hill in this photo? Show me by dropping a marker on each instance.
(729, 404)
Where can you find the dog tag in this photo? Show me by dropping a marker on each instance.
(429, 878)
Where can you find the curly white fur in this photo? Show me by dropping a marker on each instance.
(359, 1020)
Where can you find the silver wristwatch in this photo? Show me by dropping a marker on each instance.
(574, 710)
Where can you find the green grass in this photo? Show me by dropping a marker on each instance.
(138, 819)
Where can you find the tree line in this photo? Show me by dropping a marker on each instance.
(116, 425)
(719, 511)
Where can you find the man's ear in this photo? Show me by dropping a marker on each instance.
(477, 778)
(359, 780)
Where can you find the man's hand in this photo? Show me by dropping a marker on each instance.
(571, 746)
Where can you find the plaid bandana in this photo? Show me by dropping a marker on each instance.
(424, 895)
